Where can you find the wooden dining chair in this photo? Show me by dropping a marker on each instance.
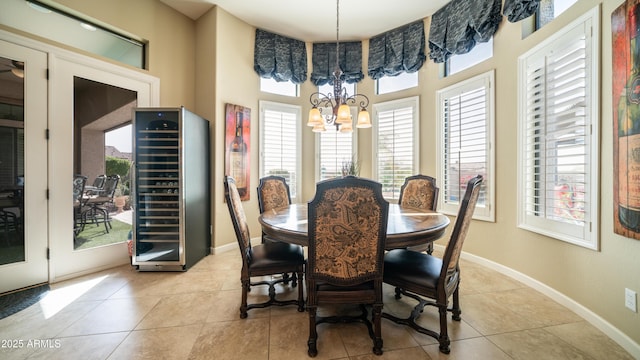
(266, 259)
(420, 191)
(418, 275)
(347, 231)
(273, 193)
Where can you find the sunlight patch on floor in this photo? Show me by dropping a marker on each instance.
(58, 299)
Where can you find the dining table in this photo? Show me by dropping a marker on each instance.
(406, 226)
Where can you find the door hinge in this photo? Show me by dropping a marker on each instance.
(48, 254)
(46, 134)
(47, 73)
(47, 194)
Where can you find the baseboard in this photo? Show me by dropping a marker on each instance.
(224, 248)
(594, 319)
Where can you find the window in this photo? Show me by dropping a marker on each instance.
(333, 149)
(286, 88)
(551, 9)
(480, 53)
(389, 84)
(466, 113)
(395, 143)
(558, 134)
(280, 130)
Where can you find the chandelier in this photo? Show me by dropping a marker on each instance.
(333, 108)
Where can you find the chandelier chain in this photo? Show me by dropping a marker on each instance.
(337, 33)
(338, 101)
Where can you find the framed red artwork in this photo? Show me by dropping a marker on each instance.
(625, 28)
(238, 147)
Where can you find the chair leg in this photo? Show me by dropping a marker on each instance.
(455, 310)
(300, 292)
(377, 341)
(443, 339)
(313, 335)
(105, 219)
(243, 304)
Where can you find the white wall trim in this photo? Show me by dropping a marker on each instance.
(594, 319)
(225, 248)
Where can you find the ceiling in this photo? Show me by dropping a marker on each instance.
(315, 21)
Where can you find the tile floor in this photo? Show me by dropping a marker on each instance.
(125, 314)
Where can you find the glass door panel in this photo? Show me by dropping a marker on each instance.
(100, 215)
(23, 174)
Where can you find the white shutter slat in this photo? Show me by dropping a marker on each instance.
(395, 150)
(279, 144)
(466, 144)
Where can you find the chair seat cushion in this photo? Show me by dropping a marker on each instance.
(403, 266)
(276, 254)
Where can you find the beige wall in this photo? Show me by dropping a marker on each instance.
(209, 62)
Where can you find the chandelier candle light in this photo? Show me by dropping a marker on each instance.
(339, 113)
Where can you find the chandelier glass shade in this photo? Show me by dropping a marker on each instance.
(333, 109)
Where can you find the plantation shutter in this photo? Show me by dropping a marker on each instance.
(466, 146)
(280, 145)
(335, 149)
(557, 136)
(395, 150)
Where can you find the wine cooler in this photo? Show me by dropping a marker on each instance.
(172, 229)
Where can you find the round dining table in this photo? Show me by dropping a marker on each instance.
(406, 227)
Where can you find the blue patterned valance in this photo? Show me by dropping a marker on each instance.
(324, 62)
(397, 51)
(280, 58)
(459, 25)
(516, 10)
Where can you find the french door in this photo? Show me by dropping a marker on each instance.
(80, 90)
(39, 178)
(23, 167)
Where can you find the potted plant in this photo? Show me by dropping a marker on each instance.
(120, 198)
(120, 167)
(351, 167)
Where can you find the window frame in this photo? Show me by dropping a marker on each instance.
(414, 103)
(486, 211)
(295, 188)
(587, 236)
